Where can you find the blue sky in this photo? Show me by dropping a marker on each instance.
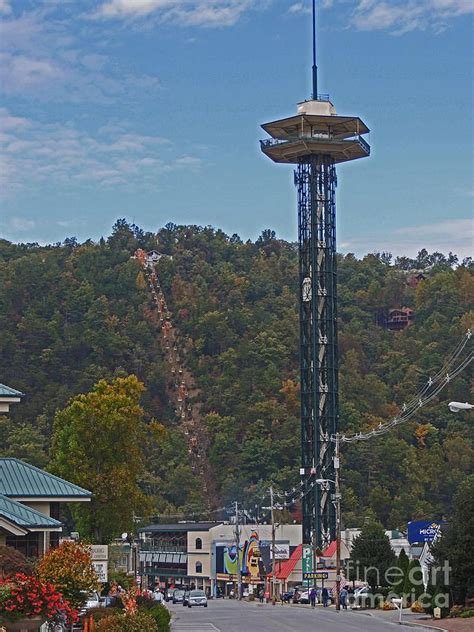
(150, 110)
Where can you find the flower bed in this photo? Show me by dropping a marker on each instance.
(25, 596)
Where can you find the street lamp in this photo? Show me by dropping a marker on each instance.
(455, 407)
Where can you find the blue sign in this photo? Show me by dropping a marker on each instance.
(423, 530)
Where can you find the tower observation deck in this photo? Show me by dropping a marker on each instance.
(315, 140)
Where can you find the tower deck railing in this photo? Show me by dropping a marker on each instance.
(272, 142)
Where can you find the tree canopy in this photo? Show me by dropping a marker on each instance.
(73, 314)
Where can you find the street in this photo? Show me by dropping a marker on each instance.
(232, 616)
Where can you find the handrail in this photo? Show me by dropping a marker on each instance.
(270, 142)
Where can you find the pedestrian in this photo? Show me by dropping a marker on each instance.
(296, 596)
(325, 597)
(158, 595)
(343, 594)
(312, 597)
(261, 595)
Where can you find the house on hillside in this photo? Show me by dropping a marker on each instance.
(154, 256)
(8, 396)
(29, 506)
(400, 318)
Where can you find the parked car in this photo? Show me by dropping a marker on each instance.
(304, 596)
(92, 601)
(362, 597)
(197, 598)
(178, 596)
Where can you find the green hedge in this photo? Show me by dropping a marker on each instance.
(162, 617)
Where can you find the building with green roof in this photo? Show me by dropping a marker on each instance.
(8, 396)
(29, 506)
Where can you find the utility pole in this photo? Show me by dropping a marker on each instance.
(337, 498)
(237, 544)
(315, 558)
(273, 546)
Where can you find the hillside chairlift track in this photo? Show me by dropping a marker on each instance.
(182, 389)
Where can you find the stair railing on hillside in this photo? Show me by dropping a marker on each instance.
(181, 384)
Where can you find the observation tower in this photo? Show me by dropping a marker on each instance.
(315, 139)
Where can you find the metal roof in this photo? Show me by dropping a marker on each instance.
(179, 526)
(287, 566)
(25, 516)
(22, 480)
(7, 391)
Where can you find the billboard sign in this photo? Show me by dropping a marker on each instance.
(423, 530)
(307, 558)
(282, 549)
(101, 570)
(316, 575)
(99, 552)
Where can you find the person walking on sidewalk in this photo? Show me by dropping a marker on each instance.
(325, 597)
(343, 598)
(312, 597)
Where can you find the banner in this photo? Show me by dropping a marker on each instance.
(423, 530)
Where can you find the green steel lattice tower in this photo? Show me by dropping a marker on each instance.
(315, 140)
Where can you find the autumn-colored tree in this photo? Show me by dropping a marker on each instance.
(98, 443)
(69, 568)
(13, 561)
(73, 314)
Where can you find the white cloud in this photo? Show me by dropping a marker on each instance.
(47, 155)
(455, 235)
(190, 12)
(18, 224)
(299, 7)
(5, 8)
(41, 59)
(305, 7)
(407, 15)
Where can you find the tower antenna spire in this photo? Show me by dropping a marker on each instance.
(315, 68)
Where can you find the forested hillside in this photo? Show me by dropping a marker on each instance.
(73, 313)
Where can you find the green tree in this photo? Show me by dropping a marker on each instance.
(413, 582)
(457, 542)
(371, 556)
(98, 444)
(403, 563)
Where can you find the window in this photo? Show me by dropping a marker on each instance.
(198, 567)
(198, 543)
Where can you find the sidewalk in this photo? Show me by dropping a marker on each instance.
(451, 625)
(421, 621)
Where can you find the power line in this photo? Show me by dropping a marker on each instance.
(429, 392)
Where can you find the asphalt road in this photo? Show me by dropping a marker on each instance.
(232, 616)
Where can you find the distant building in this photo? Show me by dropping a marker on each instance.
(203, 555)
(400, 318)
(398, 540)
(414, 278)
(8, 396)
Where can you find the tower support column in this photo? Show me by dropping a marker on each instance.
(315, 179)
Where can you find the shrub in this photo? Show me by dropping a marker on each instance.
(455, 611)
(100, 613)
(12, 561)
(162, 617)
(145, 602)
(127, 622)
(467, 614)
(69, 567)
